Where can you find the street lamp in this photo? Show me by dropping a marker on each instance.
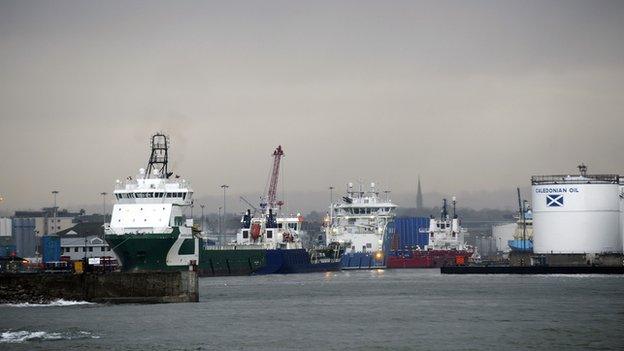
(202, 216)
(54, 193)
(331, 204)
(104, 205)
(219, 217)
(224, 187)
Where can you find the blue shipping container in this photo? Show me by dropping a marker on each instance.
(51, 248)
(24, 236)
(408, 232)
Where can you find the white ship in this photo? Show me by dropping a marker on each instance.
(446, 233)
(358, 224)
(148, 230)
(270, 231)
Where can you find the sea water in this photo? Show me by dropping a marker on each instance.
(355, 310)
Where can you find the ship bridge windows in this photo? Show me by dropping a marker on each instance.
(364, 210)
(175, 195)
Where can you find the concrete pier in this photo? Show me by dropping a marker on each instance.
(532, 270)
(147, 287)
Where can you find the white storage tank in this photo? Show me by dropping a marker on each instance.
(576, 213)
(622, 215)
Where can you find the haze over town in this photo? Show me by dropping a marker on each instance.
(475, 97)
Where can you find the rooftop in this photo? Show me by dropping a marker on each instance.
(576, 179)
(83, 229)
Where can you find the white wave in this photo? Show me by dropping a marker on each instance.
(55, 303)
(25, 335)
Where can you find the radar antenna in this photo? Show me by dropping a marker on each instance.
(157, 164)
(444, 212)
(582, 169)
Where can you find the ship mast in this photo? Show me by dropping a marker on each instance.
(159, 158)
(272, 194)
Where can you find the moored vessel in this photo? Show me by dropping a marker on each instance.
(279, 236)
(358, 225)
(523, 234)
(441, 245)
(149, 232)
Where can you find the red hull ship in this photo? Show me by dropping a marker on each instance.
(441, 245)
(428, 258)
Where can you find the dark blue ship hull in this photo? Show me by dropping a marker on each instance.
(294, 261)
(362, 260)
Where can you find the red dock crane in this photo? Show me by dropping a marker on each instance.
(272, 194)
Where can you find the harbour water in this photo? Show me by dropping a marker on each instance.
(352, 310)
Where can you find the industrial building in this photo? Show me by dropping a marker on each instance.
(47, 221)
(6, 227)
(84, 240)
(502, 234)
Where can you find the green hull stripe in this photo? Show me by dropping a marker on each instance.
(148, 252)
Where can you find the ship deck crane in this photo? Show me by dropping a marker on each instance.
(272, 193)
(242, 198)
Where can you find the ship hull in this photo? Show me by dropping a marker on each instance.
(362, 260)
(148, 252)
(428, 259)
(143, 252)
(521, 245)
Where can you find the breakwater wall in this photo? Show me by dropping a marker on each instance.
(146, 287)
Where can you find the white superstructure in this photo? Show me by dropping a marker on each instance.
(152, 203)
(446, 233)
(359, 222)
(149, 205)
(270, 231)
(268, 228)
(576, 213)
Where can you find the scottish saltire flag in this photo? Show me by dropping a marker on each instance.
(554, 200)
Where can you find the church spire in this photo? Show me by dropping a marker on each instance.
(419, 199)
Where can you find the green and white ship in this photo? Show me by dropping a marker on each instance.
(149, 232)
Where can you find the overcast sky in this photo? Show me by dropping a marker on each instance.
(475, 96)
